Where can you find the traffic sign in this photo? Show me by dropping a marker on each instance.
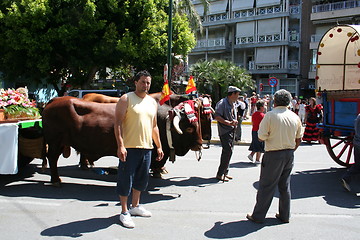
(273, 82)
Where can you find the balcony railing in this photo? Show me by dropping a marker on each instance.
(215, 42)
(335, 6)
(294, 36)
(294, 9)
(276, 37)
(216, 17)
(258, 11)
(274, 66)
(244, 40)
(293, 65)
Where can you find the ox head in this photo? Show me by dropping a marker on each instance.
(205, 112)
(187, 132)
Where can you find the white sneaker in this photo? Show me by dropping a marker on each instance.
(139, 211)
(125, 219)
(251, 158)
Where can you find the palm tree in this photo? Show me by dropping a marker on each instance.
(215, 76)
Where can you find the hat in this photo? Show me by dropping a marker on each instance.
(233, 89)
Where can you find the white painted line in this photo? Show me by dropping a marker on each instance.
(29, 202)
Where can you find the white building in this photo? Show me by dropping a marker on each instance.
(270, 38)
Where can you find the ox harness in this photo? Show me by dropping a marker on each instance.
(188, 107)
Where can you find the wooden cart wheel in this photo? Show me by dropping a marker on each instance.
(340, 149)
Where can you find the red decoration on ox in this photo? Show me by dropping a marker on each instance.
(359, 65)
(339, 30)
(319, 53)
(317, 77)
(331, 35)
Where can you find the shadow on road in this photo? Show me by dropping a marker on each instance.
(323, 183)
(21, 185)
(237, 229)
(78, 228)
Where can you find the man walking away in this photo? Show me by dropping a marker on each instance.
(281, 131)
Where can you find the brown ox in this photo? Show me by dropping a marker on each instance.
(100, 98)
(203, 112)
(88, 127)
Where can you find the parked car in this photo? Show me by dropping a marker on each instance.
(80, 93)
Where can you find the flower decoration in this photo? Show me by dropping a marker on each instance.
(17, 104)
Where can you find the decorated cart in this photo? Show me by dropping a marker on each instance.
(21, 137)
(338, 84)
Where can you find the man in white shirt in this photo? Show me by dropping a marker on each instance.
(281, 131)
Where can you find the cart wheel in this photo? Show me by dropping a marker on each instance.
(340, 149)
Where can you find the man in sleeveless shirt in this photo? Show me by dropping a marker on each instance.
(135, 130)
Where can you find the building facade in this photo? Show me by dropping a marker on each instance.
(270, 38)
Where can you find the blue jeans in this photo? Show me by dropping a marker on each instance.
(134, 173)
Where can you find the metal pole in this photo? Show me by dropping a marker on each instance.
(170, 41)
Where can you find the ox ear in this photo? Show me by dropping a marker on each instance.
(171, 114)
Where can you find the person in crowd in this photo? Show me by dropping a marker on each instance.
(240, 112)
(246, 101)
(302, 111)
(297, 106)
(313, 116)
(135, 130)
(355, 168)
(281, 130)
(293, 103)
(256, 147)
(253, 100)
(226, 117)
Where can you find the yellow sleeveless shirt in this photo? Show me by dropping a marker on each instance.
(138, 123)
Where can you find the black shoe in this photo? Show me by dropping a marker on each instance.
(222, 178)
(345, 185)
(280, 219)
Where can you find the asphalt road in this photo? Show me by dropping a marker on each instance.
(186, 204)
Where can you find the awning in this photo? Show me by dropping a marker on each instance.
(267, 55)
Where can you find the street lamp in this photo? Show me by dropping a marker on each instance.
(169, 41)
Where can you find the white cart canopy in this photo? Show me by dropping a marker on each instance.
(338, 59)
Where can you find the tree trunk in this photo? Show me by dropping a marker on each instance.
(90, 77)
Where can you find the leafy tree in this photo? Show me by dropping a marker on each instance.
(215, 76)
(187, 7)
(70, 40)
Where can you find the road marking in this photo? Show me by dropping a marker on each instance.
(29, 202)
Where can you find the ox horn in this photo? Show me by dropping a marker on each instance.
(176, 122)
(213, 111)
